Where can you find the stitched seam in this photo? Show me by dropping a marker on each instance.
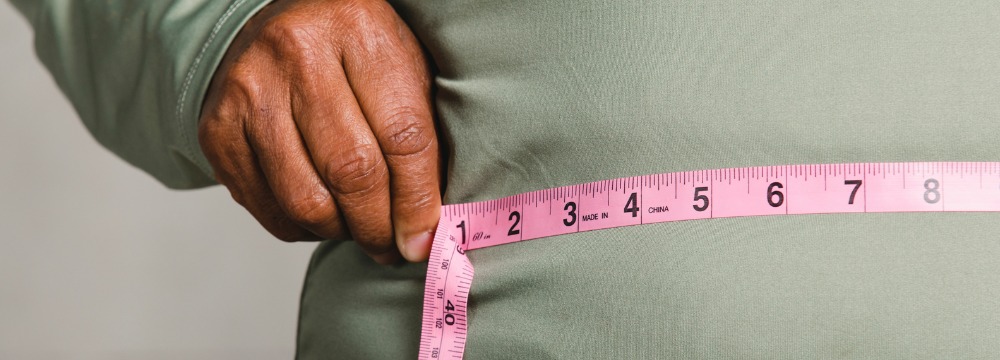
(179, 114)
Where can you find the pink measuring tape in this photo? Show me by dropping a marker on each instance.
(689, 195)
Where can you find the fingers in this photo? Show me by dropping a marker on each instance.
(236, 167)
(392, 86)
(286, 165)
(347, 156)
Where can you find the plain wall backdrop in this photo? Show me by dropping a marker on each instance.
(99, 261)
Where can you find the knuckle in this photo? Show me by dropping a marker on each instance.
(243, 86)
(405, 134)
(293, 37)
(358, 13)
(245, 98)
(219, 140)
(368, 26)
(311, 210)
(209, 131)
(355, 171)
(219, 122)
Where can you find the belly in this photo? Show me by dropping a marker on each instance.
(537, 94)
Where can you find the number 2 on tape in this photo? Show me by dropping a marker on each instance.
(702, 194)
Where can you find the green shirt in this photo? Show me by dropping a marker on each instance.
(537, 94)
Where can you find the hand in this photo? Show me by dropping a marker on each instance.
(319, 123)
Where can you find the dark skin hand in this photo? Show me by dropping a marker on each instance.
(319, 122)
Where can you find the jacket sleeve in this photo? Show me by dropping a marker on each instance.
(137, 70)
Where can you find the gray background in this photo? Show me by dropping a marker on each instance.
(99, 261)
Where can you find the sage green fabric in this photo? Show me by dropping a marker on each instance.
(537, 94)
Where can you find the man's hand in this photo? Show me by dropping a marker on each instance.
(319, 122)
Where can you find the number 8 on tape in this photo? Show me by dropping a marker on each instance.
(690, 195)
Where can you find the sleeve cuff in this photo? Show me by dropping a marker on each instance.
(199, 74)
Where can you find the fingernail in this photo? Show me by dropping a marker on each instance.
(417, 247)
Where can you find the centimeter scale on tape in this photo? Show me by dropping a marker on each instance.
(688, 195)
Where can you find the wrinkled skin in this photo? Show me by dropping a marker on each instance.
(319, 122)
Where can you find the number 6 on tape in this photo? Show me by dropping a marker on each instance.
(702, 194)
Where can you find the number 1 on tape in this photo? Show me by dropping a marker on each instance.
(702, 194)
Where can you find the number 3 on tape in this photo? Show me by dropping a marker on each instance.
(702, 194)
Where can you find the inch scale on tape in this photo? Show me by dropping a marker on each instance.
(689, 195)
